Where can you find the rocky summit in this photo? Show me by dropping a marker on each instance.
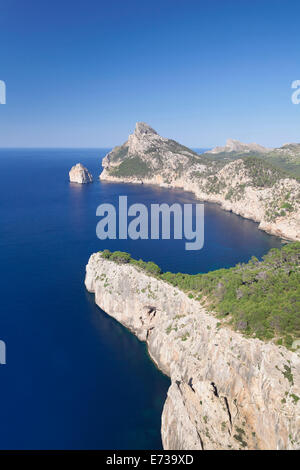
(237, 146)
(80, 174)
(247, 185)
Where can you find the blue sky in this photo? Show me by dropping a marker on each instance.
(80, 74)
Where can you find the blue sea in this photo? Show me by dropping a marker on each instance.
(75, 378)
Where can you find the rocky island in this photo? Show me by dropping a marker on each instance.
(80, 174)
(232, 387)
(246, 185)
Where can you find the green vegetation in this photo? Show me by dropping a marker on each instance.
(287, 160)
(288, 374)
(119, 257)
(133, 166)
(118, 153)
(260, 299)
(236, 193)
(280, 202)
(214, 185)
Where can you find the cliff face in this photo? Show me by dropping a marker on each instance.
(80, 174)
(227, 391)
(245, 186)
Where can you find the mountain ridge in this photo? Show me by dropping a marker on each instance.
(227, 391)
(286, 157)
(233, 145)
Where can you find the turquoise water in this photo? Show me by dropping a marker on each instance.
(74, 377)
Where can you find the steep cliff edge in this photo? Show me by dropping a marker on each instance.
(248, 187)
(80, 174)
(227, 391)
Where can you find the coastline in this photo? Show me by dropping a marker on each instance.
(226, 390)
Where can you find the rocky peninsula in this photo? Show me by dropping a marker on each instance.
(234, 146)
(248, 186)
(80, 174)
(235, 374)
(227, 391)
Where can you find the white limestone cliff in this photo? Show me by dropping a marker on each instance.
(227, 391)
(80, 174)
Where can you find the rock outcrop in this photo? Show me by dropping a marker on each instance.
(247, 187)
(227, 391)
(80, 174)
(286, 157)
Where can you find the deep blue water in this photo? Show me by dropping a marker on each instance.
(74, 377)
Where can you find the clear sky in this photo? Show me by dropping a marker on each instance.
(81, 73)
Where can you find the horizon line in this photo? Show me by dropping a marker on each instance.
(83, 148)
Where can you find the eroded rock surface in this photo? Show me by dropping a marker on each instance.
(80, 174)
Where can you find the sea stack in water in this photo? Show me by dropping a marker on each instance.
(80, 174)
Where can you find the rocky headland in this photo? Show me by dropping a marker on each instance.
(247, 186)
(234, 384)
(80, 174)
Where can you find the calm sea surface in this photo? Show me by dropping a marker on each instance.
(74, 377)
